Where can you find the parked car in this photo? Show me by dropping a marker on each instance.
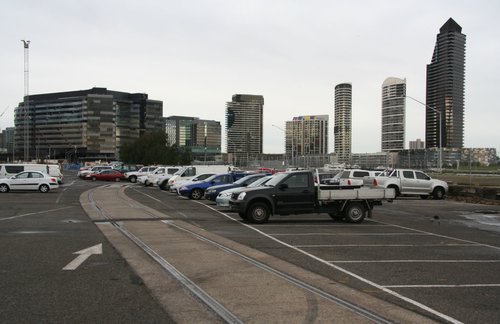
(29, 180)
(352, 177)
(83, 173)
(223, 197)
(190, 171)
(212, 192)
(10, 169)
(409, 182)
(196, 190)
(133, 175)
(179, 182)
(107, 175)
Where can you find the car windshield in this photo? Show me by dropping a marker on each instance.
(259, 182)
(210, 178)
(276, 179)
(242, 180)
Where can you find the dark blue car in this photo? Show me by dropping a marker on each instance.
(196, 190)
(212, 192)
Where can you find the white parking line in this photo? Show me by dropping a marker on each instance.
(439, 235)
(444, 286)
(381, 245)
(37, 213)
(350, 234)
(416, 261)
(352, 274)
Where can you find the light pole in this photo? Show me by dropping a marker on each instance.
(440, 131)
(284, 131)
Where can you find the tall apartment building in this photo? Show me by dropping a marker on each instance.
(445, 89)
(244, 126)
(85, 124)
(393, 114)
(202, 137)
(342, 128)
(306, 135)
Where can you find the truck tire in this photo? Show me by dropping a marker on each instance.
(355, 212)
(163, 185)
(258, 213)
(438, 193)
(196, 194)
(132, 179)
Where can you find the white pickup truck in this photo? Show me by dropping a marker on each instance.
(408, 182)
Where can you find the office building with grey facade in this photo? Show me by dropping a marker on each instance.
(83, 125)
(201, 137)
(244, 128)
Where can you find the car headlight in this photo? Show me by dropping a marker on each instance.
(225, 194)
(242, 195)
(211, 191)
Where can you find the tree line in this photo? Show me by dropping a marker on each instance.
(152, 148)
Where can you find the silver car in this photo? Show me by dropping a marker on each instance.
(223, 197)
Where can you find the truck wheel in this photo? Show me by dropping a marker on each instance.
(258, 213)
(196, 194)
(163, 186)
(132, 179)
(355, 213)
(438, 193)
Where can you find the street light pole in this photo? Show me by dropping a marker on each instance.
(440, 131)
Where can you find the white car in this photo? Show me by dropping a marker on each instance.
(29, 180)
(133, 175)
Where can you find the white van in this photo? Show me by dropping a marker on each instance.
(191, 171)
(53, 170)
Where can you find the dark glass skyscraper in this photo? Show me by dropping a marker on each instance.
(445, 89)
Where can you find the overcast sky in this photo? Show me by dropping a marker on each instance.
(194, 55)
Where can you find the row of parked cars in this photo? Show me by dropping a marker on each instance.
(194, 181)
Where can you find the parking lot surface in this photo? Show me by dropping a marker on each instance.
(438, 259)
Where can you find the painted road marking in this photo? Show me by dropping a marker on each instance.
(83, 255)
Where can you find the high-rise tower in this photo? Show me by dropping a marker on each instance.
(244, 126)
(342, 129)
(445, 89)
(393, 114)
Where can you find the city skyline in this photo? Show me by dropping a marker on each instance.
(193, 56)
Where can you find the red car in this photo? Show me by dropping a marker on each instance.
(109, 175)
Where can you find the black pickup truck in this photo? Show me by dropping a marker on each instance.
(296, 193)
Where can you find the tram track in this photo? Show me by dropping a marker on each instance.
(120, 223)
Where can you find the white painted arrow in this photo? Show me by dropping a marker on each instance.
(83, 255)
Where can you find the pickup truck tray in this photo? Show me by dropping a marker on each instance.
(361, 193)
